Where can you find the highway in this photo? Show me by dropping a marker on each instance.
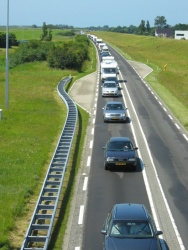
(160, 180)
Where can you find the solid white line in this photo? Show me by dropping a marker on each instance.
(88, 161)
(85, 183)
(81, 215)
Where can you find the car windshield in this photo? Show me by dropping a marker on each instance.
(111, 79)
(109, 70)
(131, 229)
(109, 85)
(114, 107)
(120, 145)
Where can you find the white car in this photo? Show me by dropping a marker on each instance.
(109, 88)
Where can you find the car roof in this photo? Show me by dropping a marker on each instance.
(114, 103)
(130, 211)
(119, 139)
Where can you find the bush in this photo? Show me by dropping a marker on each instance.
(29, 52)
(71, 55)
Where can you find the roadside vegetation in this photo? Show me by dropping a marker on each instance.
(29, 131)
(170, 84)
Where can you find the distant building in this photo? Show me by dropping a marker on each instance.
(166, 32)
(181, 34)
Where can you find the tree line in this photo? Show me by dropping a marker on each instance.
(144, 27)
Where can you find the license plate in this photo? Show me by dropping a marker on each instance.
(120, 163)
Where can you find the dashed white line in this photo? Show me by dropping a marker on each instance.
(185, 137)
(170, 117)
(85, 183)
(177, 126)
(81, 215)
(88, 161)
(92, 131)
(91, 144)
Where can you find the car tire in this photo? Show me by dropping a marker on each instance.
(106, 166)
(133, 167)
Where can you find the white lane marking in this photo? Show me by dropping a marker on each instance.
(93, 120)
(185, 137)
(177, 126)
(81, 215)
(170, 117)
(77, 248)
(91, 144)
(165, 109)
(146, 180)
(92, 131)
(85, 183)
(88, 161)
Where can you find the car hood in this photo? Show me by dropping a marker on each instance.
(109, 89)
(131, 244)
(120, 154)
(114, 111)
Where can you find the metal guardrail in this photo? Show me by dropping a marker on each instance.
(40, 227)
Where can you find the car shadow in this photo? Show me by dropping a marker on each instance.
(122, 81)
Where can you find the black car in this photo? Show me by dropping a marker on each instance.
(120, 152)
(130, 226)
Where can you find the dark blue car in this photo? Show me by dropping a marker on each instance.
(130, 226)
(119, 152)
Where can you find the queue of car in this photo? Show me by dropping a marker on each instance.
(127, 225)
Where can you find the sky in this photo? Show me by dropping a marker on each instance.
(86, 13)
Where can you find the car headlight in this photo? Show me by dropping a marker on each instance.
(122, 115)
(110, 159)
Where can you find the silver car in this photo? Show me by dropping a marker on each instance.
(114, 111)
(109, 88)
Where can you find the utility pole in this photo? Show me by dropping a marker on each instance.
(7, 57)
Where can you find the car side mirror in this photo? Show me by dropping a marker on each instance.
(103, 232)
(103, 147)
(135, 148)
(159, 232)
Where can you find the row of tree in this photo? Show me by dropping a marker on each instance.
(144, 28)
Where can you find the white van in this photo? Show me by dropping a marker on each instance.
(109, 68)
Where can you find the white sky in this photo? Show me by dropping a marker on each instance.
(84, 13)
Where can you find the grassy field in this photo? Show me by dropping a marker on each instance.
(29, 130)
(171, 85)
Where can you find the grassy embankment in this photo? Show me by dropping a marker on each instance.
(29, 131)
(171, 85)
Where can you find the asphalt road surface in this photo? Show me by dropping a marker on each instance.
(160, 180)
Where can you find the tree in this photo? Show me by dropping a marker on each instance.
(46, 35)
(148, 28)
(142, 28)
(160, 22)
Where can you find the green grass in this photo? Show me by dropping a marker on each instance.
(29, 130)
(171, 85)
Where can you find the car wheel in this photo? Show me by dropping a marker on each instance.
(106, 166)
(133, 167)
